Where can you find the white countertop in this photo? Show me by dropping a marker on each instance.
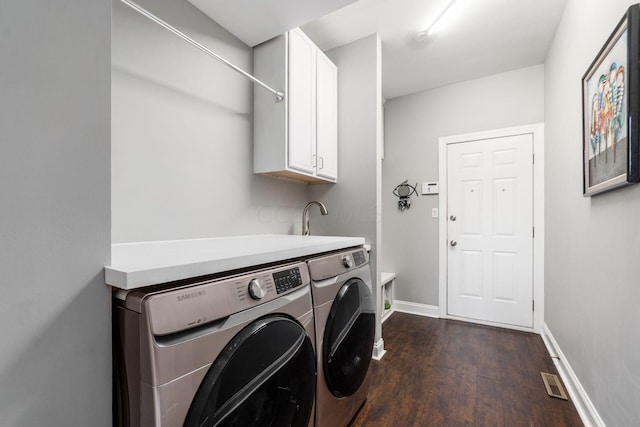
(134, 265)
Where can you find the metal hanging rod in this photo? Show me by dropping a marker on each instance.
(279, 95)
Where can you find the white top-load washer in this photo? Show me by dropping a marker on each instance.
(232, 351)
(344, 312)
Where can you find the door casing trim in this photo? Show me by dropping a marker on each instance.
(537, 130)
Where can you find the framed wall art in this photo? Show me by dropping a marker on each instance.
(611, 110)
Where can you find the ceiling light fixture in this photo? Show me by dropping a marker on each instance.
(422, 36)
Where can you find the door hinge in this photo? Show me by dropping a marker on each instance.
(533, 158)
(533, 305)
(533, 232)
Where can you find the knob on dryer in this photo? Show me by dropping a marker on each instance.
(257, 289)
(347, 260)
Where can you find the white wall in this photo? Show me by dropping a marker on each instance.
(182, 134)
(55, 311)
(413, 125)
(353, 203)
(592, 293)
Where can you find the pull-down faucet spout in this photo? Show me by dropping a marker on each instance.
(305, 216)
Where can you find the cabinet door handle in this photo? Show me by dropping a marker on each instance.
(321, 162)
(313, 160)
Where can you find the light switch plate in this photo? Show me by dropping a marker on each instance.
(434, 212)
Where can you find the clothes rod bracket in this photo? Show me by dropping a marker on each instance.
(279, 95)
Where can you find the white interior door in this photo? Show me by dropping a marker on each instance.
(490, 230)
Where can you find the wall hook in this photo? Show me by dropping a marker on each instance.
(404, 192)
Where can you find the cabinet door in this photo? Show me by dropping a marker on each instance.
(302, 102)
(327, 117)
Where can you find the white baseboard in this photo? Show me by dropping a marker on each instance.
(378, 350)
(416, 308)
(581, 401)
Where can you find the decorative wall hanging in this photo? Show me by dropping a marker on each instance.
(611, 110)
(404, 192)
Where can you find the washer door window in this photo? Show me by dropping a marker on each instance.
(264, 377)
(348, 338)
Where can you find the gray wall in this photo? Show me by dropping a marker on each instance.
(55, 356)
(354, 201)
(592, 292)
(182, 134)
(413, 125)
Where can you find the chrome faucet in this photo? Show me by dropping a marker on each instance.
(305, 216)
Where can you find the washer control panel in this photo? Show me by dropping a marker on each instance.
(205, 301)
(287, 279)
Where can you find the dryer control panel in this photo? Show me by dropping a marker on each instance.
(359, 258)
(332, 265)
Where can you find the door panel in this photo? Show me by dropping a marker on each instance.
(302, 101)
(471, 220)
(504, 264)
(471, 274)
(505, 207)
(264, 377)
(490, 225)
(348, 339)
(327, 117)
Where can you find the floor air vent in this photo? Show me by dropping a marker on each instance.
(553, 386)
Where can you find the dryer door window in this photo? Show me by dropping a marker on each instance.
(348, 338)
(264, 377)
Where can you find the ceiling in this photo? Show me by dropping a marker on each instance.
(478, 37)
(254, 22)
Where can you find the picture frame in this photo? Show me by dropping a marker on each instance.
(611, 110)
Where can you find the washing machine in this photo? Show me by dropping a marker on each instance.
(232, 351)
(344, 313)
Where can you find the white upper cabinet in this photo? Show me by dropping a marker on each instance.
(302, 102)
(296, 138)
(326, 117)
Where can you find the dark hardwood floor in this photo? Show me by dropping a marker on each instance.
(448, 373)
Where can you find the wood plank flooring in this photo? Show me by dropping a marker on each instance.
(447, 373)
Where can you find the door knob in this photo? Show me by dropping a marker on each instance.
(452, 218)
(453, 243)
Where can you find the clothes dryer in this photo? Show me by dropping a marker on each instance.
(344, 312)
(235, 351)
